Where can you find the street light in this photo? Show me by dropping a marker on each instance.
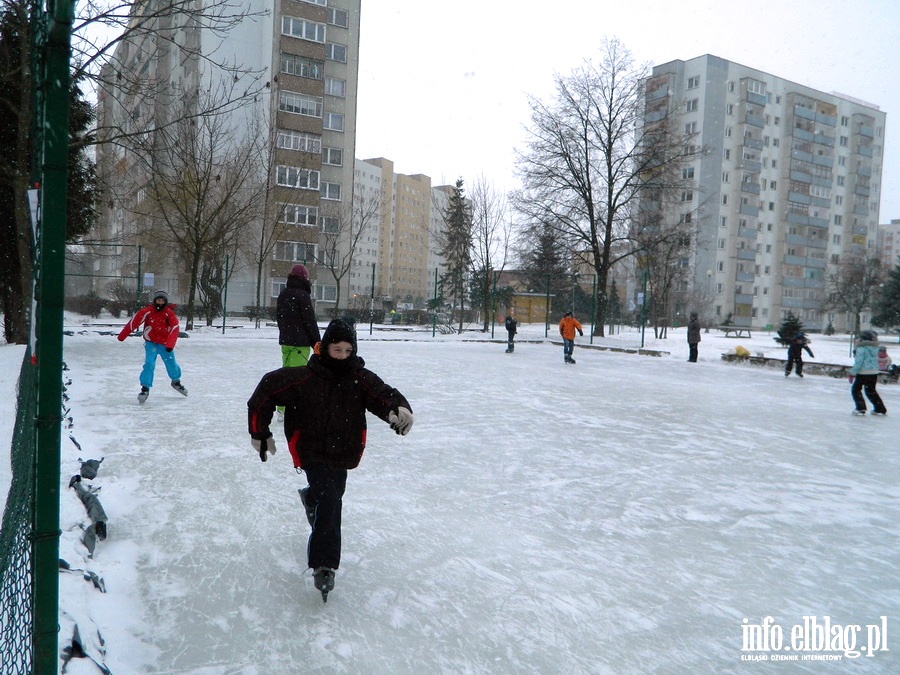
(708, 282)
(574, 283)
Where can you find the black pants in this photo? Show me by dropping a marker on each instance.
(866, 383)
(794, 360)
(510, 342)
(692, 356)
(326, 492)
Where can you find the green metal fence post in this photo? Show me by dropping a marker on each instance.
(54, 119)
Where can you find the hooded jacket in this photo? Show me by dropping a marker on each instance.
(296, 317)
(325, 410)
(160, 326)
(866, 360)
(511, 325)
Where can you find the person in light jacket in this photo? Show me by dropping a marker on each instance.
(864, 375)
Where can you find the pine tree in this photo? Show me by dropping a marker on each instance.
(789, 329)
(887, 309)
(456, 246)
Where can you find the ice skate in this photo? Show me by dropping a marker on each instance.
(177, 386)
(859, 412)
(310, 510)
(323, 578)
(879, 413)
(143, 395)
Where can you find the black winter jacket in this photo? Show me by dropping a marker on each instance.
(296, 317)
(325, 410)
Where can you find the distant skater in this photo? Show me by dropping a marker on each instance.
(693, 336)
(567, 327)
(511, 325)
(795, 354)
(160, 334)
(864, 375)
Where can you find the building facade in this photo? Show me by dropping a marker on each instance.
(889, 244)
(299, 58)
(786, 180)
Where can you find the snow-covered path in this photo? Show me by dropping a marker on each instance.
(622, 515)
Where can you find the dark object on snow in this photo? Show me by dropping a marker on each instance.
(97, 528)
(87, 574)
(75, 650)
(90, 467)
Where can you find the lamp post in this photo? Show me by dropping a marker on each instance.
(708, 283)
(574, 284)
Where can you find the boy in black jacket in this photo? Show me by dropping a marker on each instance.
(795, 354)
(325, 426)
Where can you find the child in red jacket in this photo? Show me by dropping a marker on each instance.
(160, 334)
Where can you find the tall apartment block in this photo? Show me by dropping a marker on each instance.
(889, 244)
(306, 51)
(787, 184)
(399, 247)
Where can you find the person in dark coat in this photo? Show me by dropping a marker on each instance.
(325, 426)
(693, 336)
(298, 330)
(511, 325)
(795, 354)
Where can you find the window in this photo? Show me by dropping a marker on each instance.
(303, 29)
(756, 87)
(727, 132)
(842, 161)
(331, 225)
(731, 87)
(338, 17)
(777, 121)
(835, 239)
(838, 200)
(720, 266)
(316, 2)
(294, 251)
(724, 200)
(729, 109)
(336, 52)
(297, 214)
(773, 185)
(687, 173)
(727, 153)
(331, 191)
(692, 106)
(690, 128)
(302, 67)
(333, 156)
(687, 195)
(289, 176)
(725, 176)
(845, 121)
(326, 293)
(723, 221)
(693, 82)
(775, 142)
(844, 141)
(840, 180)
(721, 243)
(335, 87)
(289, 139)
(300, 104)
(838, 220)
(333, 122)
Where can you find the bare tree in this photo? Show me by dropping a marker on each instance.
(344, 226)
(853, 285)
(491, 239)
(202, 190)
(588, 157)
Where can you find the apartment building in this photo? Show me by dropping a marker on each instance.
(889, 244)
(306, 54)
(786, 180)
(400, 247)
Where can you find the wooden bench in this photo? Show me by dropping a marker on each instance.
(736, 331)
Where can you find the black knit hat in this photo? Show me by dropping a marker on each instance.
(338, 330)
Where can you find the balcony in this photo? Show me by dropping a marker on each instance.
(755, 120)
(792, 302)
(819, 222)
(746, 254)
(751, 165)
(817, 263)
(865, 150)
(747, 233)
(755, 143)
(801, 177)
(861, 229)
(866, 131)
(748, 210)
(804, 135)
(756, 99)
(827, 120)
(750, 187)
(805, 113)
(793, 282)
(744, 276)
(797, 218)
(795, 260)
(796, 239)
(799, 198)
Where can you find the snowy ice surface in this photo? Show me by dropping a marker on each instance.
(622, 515)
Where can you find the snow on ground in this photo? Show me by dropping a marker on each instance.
(623, 515)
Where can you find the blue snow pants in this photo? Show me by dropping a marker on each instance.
(326, 493)
(151, 351)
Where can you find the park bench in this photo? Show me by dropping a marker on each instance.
(735, 331)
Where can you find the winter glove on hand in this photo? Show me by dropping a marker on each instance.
(581, 333)
(263, 446)
(121, 338)
(169, 349)
(401, 421)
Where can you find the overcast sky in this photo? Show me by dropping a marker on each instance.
(443, 86)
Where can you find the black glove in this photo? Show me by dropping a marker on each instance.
(263, 446)
(581, 333)
(168, 349)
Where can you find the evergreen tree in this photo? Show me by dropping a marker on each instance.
(887, 309)
(789, 329)
(456, 246)
(543, 261)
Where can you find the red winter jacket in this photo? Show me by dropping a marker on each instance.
(160, 326)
